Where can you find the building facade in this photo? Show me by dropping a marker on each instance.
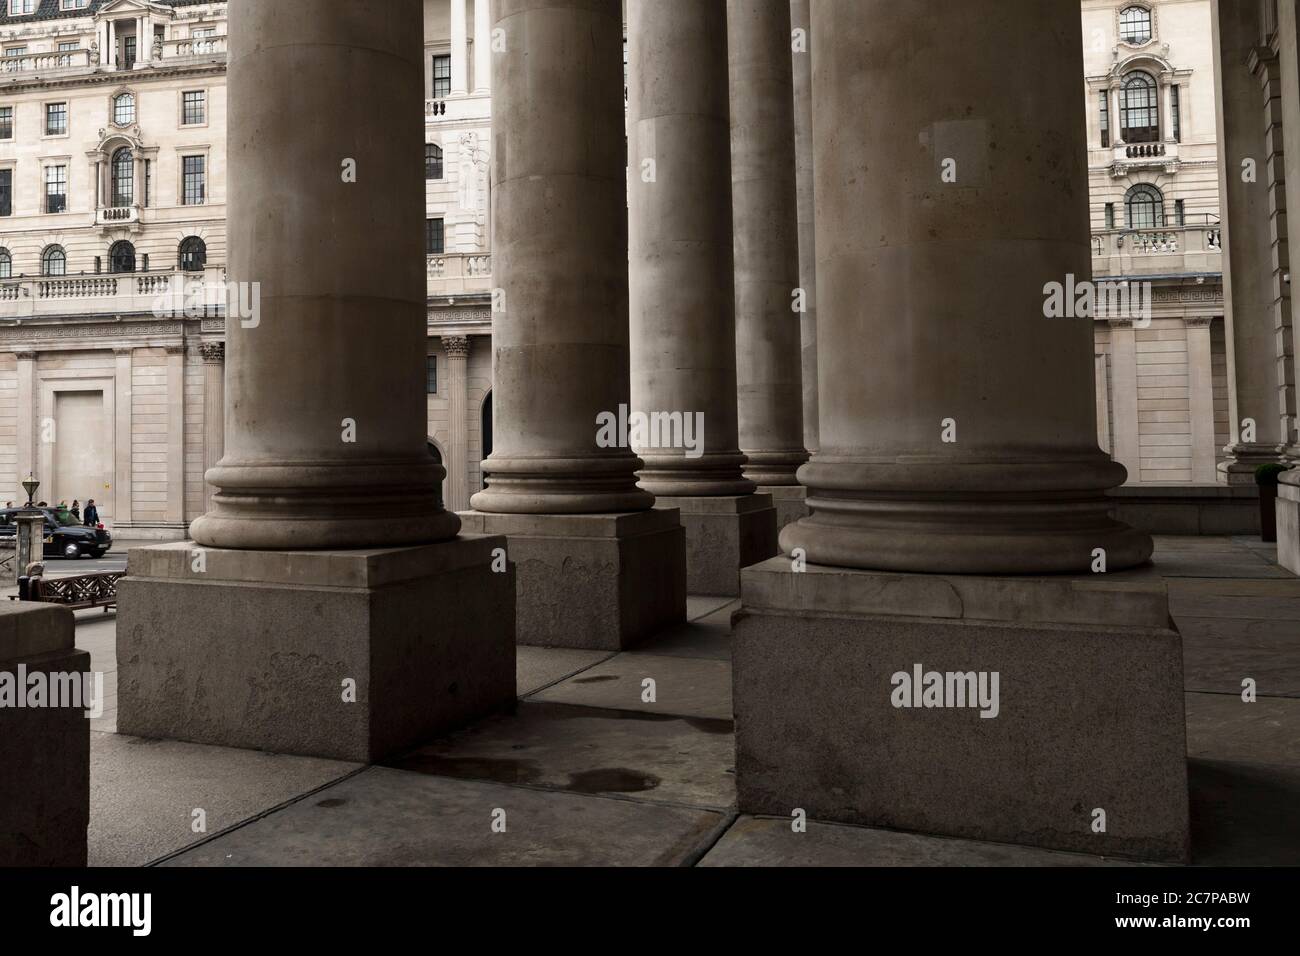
(112, 247)
(1162, 383)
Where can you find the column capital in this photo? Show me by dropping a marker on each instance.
(1198, 321)
(175, 348)
(456, 346)
(25, 355)
(214, 353)
(124, 350)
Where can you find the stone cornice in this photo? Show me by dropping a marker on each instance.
(38, 82)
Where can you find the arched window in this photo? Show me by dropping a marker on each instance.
(1135, 24)
(1140, 109)
(1144, 207)
(54, 261)
(194, 254)
(432, 161)
(6, 264)
(124, 109)
(123, 176)
(121, 257)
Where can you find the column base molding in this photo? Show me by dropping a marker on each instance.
(964, 517)
(252, 649)
(723, 535)
(1243, 459)
(1086, 714)
(598, 582)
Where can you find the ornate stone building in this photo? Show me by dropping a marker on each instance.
(1162, 385)
(113, 204)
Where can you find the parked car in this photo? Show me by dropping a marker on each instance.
(64, 537)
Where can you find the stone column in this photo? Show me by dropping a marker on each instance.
(561, 480)
(214, 401)
(959, 508)
(143, 41)
(1116, 115)
(1288, 29)
(482, 46)
(459, 49)
(327, 504)
(25, 434)
(801, 24)
(175, 514)
(457, 348)
(765, 218)
(1247, 274)
(120, 512)
(682, 299)
(1200, 378)
(1126, 449)
(1166, 108)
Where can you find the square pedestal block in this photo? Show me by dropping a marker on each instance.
(601, 582)
(1288, 520)
(724, 535)
(352, 655)
(1033, 711)
(44, 750)
(791, 503)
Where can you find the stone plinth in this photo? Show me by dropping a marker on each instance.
(791, 503)
(254, 648)
(44, 751)
(1089, 706)
(1288, 520)
(723, 535)
(601, 581)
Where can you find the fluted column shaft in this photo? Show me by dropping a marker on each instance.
(457, 348)
(482, 46)
(682, 298)
(958, 422)
(765, 218)
(559, 329)
(325, 405)
(459, 48)
(801, 22)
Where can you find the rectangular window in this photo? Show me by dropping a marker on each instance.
(128, 52)
(432, 161)
(18, 7)
(6, 122)
(1175, 108)
(431, 375)
(99, 265)
(56, 188)
(194, 109)
(148, 181)
(75, 4)
(56, 119)
(441, 76)
(1180, 213)
(1110, 215)
(16, 51)
(1104, 98)
(433, 244)
(66, 48)
(194, 181)
(6, 192)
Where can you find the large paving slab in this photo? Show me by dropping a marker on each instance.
(686, 760)
(766, 841)
(143, 793)
(684, 686)
(1273, 600)
(385, 817)
(1219, 652)
(538, 667)
(698, 606)
(711, 641)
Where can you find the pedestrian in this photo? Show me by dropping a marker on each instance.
(75, 510)
(92, 514)
(61, 512)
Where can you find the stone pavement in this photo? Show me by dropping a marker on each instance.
(588, 772)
